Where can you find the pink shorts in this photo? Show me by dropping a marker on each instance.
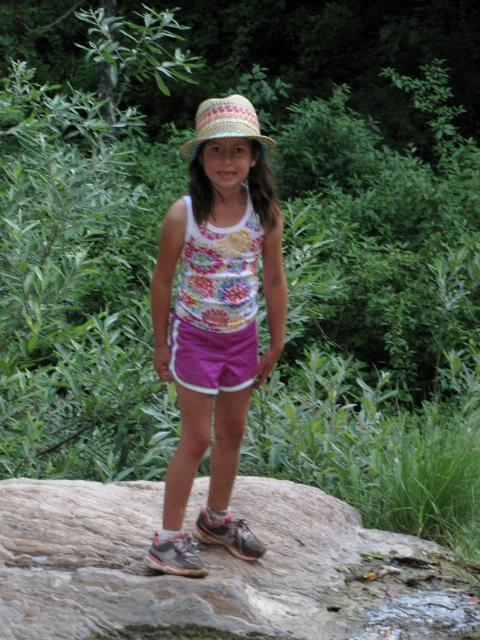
(207, 362)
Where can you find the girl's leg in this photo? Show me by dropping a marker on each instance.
(196, 413)
(229, 425)
(233, 533)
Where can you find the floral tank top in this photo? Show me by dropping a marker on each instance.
(219, 285)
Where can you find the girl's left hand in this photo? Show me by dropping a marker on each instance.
(265, 366)
(161, 363)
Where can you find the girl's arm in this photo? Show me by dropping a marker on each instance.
(275, 291)
(172, 237)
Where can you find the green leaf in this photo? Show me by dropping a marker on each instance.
(113, 72)
(290, 412)
(161, 85)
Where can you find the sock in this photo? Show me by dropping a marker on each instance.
(166, 534)
(217, 516)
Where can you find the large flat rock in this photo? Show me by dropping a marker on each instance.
(71, 561)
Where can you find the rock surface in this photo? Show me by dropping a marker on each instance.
(71, 551)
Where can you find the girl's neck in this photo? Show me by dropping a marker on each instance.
(228, 208)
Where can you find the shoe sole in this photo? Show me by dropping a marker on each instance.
(171, 570)
(208, 539)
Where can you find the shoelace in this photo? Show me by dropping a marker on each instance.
(186, 546)
(239, 527)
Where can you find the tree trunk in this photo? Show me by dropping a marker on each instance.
(106, 88)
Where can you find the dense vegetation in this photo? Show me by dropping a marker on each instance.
(377, 396)
(313, 45)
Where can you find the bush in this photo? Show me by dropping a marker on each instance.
(325, 140)
(382, 253)
(78, 244)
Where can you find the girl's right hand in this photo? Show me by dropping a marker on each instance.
(161, 361)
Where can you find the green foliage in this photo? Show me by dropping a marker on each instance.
(262, 93)
(383, 264)
(324, 139)
(136, 50)
(304, 431)
(61, 214)
(323, 44)
(42, 35)
(78, 417)
(423, 476)
(78, 240)
(431, 95)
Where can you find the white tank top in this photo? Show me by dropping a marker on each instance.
(219, 285)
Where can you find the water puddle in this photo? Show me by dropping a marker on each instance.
(408, 598)
(424, 612)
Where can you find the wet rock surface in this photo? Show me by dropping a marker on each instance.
(71, 568)
(434, 601)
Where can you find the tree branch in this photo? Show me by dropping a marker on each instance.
(57, 445)
(61, 19)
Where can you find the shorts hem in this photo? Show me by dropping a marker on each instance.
(193, 387)
(238, 387)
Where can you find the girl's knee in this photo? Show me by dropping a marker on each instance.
(231, 438)
(197, 446)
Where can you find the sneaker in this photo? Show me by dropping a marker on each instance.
(177, 557)
(234, 534)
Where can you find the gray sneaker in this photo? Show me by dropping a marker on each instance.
(234, 535)
(177, 557)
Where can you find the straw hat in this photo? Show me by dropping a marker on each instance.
(231, 117)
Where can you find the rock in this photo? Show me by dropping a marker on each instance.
(71, 561)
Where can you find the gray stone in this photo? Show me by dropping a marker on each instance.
(71, 561)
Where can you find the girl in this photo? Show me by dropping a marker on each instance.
(220, 230)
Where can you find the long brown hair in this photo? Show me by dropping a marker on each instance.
(261, 184)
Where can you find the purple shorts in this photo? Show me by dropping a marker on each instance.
(207, 362)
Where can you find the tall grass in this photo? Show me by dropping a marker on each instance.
(421, 478)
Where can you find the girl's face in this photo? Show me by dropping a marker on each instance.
(227, 161)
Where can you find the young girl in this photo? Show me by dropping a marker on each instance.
(220, 230)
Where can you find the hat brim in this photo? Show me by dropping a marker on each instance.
(187, 147)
